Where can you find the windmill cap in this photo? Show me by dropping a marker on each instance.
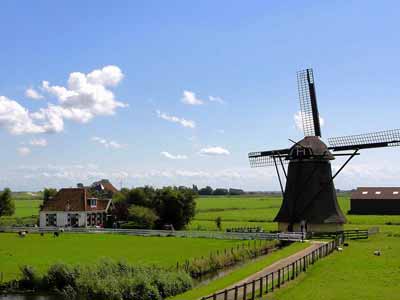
(311, 147)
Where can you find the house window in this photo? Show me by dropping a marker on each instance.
(395, 192)
(51, 220)
(378, 192)
(365, 192)
(93, 202)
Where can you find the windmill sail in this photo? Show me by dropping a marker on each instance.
(388, 138)
(268, 158)
(308, 103)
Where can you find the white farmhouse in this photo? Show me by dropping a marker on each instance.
(74, 207)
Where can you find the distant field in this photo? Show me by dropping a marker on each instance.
(40, 251)
(251, 211)
(355, 273)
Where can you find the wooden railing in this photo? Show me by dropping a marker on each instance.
(267, 283)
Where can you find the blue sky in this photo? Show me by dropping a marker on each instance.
(119, 123)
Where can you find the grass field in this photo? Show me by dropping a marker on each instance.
(355, 273)
(40, 251)
(252, 211)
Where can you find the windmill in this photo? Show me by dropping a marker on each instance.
(309, 198)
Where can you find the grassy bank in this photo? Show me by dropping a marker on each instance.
(41, 251)
(355, 273)
(239, 274)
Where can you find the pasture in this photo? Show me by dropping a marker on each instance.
(42, 251)
(355, 273)
(253, 211)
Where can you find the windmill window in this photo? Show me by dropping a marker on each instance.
(365, 193)
(395, 193)
(378, 192)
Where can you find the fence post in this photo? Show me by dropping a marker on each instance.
(226, 295)
(236, 293)
(304, 264)
(245, 291)
(292, 270)
(272, 281)
(261, 287)
(253, 290)
(214, 296)
(279, 278)
(266, 283)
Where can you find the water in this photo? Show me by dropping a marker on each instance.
(30, 297)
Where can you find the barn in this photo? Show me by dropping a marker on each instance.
(375, 201)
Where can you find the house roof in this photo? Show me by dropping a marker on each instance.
(376, 193)
(106, 185)
(74, 199)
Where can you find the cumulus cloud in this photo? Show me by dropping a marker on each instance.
(33, 94)
(298, 120)
(23, 151)
(172, 156)
(214, 151)
(85, 97)
(190, 98)
(40, 142)
(216, 99)
(106, 143)
(174, 119)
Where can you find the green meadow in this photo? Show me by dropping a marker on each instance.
(354, 273)
(42, 251)
(253, 211)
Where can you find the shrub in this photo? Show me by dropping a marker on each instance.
(143, 217)
(30, 280)
(59, 276)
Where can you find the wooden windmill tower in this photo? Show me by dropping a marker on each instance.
(309, 198)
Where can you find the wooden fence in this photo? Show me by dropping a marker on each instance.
(345, 235)
(282, 236)
(267, 283)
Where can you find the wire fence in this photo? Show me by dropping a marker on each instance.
(267, 283)
(282, 236)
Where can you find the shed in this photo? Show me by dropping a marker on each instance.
(375, 201)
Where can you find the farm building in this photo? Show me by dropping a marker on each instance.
(375, 201)
(74, 207)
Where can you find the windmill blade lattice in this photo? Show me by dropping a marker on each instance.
(308, 103)
(388, 138)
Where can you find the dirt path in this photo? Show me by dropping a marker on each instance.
(278, 264)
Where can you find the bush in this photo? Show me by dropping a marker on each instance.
(143, 217)
(59, 276)
(109, 280)
(30, 280)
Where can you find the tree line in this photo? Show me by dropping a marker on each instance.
(208, 190)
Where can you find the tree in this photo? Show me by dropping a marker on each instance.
(48, 193)
(7, 205)
(142, 217)
(235, 192)
(206, 191)
(120, 210)
(176, 207)
(195, 189)
(220, 192)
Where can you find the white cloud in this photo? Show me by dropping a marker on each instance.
(298, 120)
(214, 151)
(17, 119)
(172, 156)
(216, 99)
(85, 97)
(23, 151)
(106, 143)
(41, 142)
(181, 121)
(33, 94)
(191, 99)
